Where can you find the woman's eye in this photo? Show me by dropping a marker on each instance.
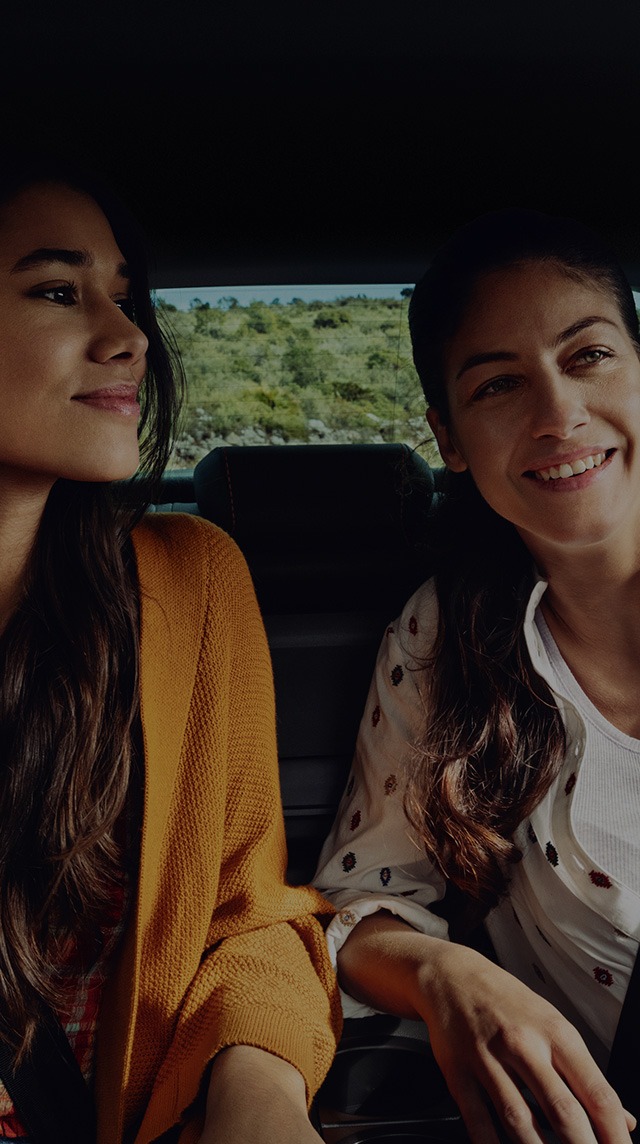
(61, 295)
(592, 356)
(496, 386)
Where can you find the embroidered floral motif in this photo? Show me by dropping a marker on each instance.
(552, 854)
(602, 976)
(349, 862)
(397, 675)
(538, 972)
(348, 918)
(531, 834)
(355, 820)
(599, 879)
(413, 625)
(570, 783)
(375, 715)
(350, 784)
(385, 875)
(391, 785)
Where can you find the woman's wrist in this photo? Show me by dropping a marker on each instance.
(442, 972)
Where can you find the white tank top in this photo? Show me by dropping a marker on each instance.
(605, 811)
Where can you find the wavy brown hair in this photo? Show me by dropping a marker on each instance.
(495, 738)
(69, 681)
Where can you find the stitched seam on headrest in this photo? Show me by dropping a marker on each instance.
(230, 489)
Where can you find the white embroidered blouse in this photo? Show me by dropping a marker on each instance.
(567, 928)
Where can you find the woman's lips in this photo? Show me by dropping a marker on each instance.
(114, 399)
(566, 482)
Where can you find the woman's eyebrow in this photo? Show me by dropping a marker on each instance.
(583, 324)
(485, 359)
(45, 255)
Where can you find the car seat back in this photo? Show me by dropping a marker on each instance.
(334, 537)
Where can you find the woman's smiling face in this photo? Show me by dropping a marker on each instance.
(543, 383)
(71, 360)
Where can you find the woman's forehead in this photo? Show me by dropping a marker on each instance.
(528, 300)
(47, 202)
(54, 215)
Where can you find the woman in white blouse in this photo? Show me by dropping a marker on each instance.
(499, 753)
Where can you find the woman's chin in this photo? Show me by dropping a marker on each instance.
(102, 470)
(571, 535)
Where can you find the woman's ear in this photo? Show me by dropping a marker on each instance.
(449, 451)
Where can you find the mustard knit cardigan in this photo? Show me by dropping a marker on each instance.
(219, 950)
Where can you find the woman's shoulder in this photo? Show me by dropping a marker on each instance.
(423, 603)
(165, 534)
(183, 547)
(414, 631)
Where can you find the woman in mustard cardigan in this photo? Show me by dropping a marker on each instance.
(142, 897)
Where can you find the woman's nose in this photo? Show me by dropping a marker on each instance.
(557, 407)
(115, 336)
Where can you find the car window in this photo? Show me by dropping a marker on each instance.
(295, 364)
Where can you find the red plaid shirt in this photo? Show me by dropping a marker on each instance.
(79, 1017)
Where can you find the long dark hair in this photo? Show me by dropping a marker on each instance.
(69, 678)
(495, 739)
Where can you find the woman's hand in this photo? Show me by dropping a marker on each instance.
(490, 1035)
(256, 1098)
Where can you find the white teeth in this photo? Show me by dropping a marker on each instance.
(570, 470)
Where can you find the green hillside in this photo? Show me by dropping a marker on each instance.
(296, 372)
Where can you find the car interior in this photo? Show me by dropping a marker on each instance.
(328, 144)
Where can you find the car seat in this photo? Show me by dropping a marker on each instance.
(335, 539)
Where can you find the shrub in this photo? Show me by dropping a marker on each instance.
(208, 322)
(350, 390)
(330, 319)
(259, 318)
(299, 362)
(376, 359)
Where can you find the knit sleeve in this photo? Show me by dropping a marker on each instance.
(372, 859)
(265, 978)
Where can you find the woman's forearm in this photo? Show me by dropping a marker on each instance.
(490, 1034)
(255, 1097)
(387, 964)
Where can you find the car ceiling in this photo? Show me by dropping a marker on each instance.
(339, 141)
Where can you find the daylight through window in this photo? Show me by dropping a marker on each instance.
(295, 364)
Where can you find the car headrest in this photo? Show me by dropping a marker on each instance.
(321, 526)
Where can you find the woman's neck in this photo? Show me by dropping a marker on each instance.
(596, 592)
(592, 608)
(592, 587)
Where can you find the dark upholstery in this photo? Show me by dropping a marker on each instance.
(323, 528)
(334, 538)
(175, 493)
